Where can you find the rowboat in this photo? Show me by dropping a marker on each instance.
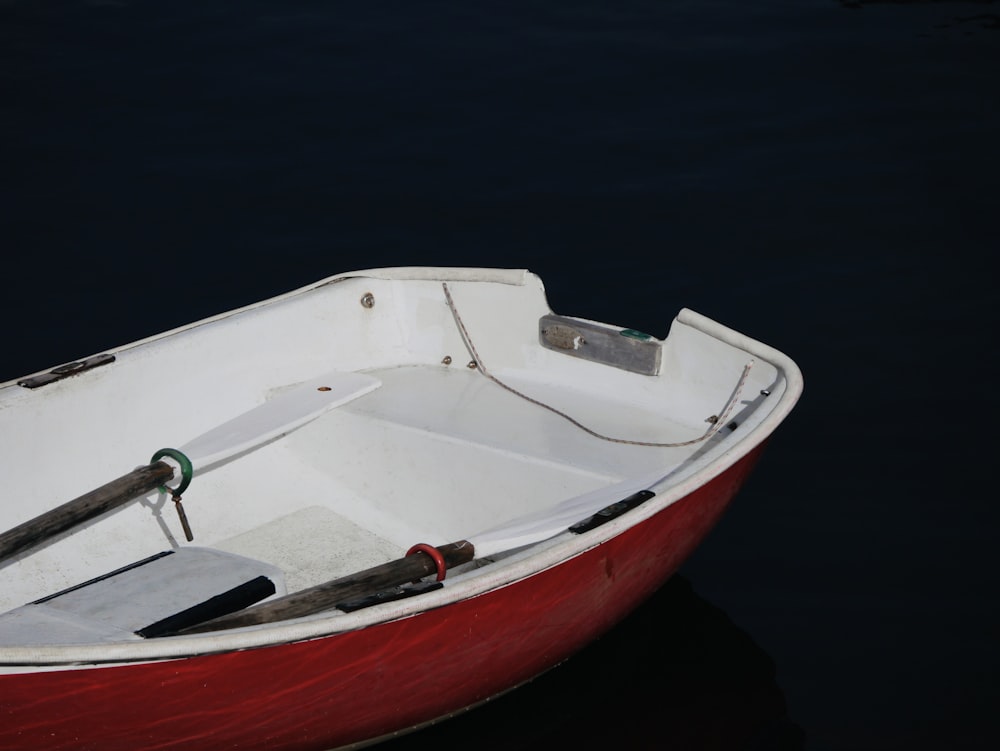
(350, 511)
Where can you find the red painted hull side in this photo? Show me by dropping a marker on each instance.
(351, 687)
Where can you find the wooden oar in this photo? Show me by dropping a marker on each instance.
(274, 418)
(610, 501)
(329, 594)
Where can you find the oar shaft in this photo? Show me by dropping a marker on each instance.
(327, 595)
(88, 506)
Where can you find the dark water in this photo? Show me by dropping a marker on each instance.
(822, 175)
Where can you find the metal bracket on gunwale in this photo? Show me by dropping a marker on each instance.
(613, 511)
(626, 349)
(65, 371)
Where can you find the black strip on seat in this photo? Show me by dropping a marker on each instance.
(237, 598)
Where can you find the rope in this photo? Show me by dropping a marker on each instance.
(717, 425)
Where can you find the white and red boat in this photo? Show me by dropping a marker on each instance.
(341, 514)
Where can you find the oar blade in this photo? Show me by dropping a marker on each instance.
(282, 414)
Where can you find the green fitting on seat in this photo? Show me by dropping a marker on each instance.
(187, 471)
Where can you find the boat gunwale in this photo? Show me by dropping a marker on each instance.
(514, 277)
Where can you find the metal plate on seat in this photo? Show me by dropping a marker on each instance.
(626, 349)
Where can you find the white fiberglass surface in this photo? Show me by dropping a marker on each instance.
(446, 452)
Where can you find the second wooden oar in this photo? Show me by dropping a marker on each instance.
(137, 483)
(274, 418)
(418, 564)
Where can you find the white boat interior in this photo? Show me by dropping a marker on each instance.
(476, 421)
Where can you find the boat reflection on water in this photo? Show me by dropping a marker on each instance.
(677, 673)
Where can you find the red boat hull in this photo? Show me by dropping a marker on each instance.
(357, 686)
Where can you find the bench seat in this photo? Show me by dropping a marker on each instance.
(151, 597)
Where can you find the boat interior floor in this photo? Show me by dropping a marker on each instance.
(433, 456)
